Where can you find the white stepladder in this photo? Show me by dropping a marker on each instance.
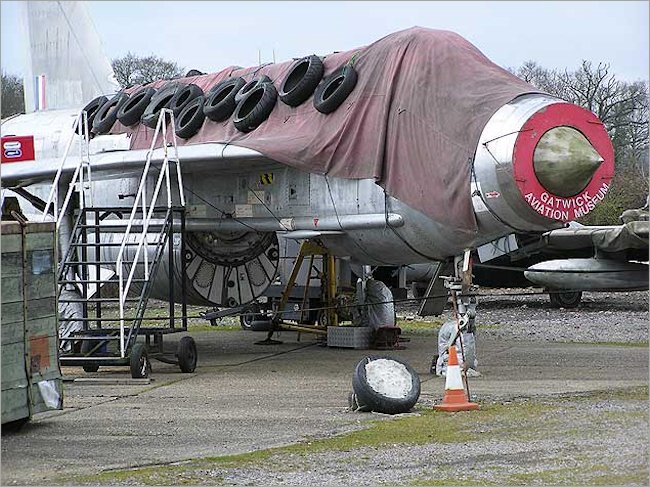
(123, 247)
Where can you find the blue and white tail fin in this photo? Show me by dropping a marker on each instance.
(66, 65)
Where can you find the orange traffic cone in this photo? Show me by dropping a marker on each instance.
(455, 398)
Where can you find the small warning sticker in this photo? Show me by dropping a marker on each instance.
(244, 211)
(266, 178)
(256, 197)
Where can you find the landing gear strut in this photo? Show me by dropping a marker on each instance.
(464, 301)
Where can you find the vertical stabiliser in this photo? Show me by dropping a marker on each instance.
(65, 53)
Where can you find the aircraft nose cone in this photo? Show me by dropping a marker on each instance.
(564, 161)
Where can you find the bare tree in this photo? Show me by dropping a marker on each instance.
(126, 69)
(132, 69)
(12, 95)
(622, 106)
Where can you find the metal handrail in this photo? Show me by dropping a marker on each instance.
(78, 176)
(148, 206)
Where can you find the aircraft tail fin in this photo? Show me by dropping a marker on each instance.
(66, 65)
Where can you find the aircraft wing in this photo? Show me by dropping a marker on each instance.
(616, 238)
(113, 159)
(619, 251)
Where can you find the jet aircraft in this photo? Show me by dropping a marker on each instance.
(415, 148)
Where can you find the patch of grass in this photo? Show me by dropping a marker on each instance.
(427, 427)
(587, 475)
(611, 478)
(597, 474)
(517, 421)
(197, 328)
(621, 344)
(546, 476)
(436, 481)
(415, 327)
(639, 393)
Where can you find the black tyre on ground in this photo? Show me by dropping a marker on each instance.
(88, 349)
(186, 354)
(139, 362)
(246, 320)
(220, 102)
(250, 86)
(566, 299)
(302, 80)
(183, 97)
(335, 89)
(91, 110)
(261, 323)
(255, 107)
(107, 114)
(399, 399)
(130, 113)
(189, 121)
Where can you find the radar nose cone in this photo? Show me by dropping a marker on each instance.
(564, 161)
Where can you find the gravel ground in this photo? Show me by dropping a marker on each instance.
(611, 429)
(526, 434)
(597, 439)
(515, 459)
(526, 314)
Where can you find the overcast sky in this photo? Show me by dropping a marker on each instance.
(213, 35)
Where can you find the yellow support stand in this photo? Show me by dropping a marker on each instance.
(328, 285)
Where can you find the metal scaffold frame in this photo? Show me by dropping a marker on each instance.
(145, 234)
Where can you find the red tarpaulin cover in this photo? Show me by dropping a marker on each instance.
(412, 122)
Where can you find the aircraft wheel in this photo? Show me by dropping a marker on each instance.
(566, 299)
(86, 347)
(322, 319)
(246, 320)
(261, 323)
(187, 356)
(397, 394)
(140, 364)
